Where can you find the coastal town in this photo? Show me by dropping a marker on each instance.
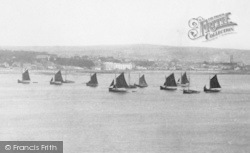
(45, 61)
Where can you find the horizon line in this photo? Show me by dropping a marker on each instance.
(117, 45)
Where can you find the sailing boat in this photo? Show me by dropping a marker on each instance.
(93, 81)
(57, 80)
(130, 85)
(170, 83)
(214, 85)
(119, 84)
(183, 81)
(25, 78)
(142, 82)
(190, 91)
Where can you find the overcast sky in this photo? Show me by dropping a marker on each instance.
(111, 22)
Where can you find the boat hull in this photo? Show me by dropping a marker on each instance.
(55, 83)
(23, 81)
(141, 86)
(68, 81)
(212, 90)
(120, 90)
(91, 85)
(132, 86)
(188, 91)
(168, 88)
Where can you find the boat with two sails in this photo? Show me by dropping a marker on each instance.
(214, 85)
(170, 83)
(58, 79)
(119, 84)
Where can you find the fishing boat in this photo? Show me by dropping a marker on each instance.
(183, 81)
(170, 83)
(52, 82)
(25, 78)
(57, 80)
(142, 82)
(190, 91)
(130, 86)
(119, 84)
(93, 81)
(214, 85)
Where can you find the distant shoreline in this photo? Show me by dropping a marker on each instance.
(50, 72)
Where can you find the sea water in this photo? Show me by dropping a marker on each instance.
(148, 120)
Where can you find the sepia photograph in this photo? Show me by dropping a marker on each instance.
(124, 76)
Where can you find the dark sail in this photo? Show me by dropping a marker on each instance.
(142, 81)
(26, 76)
(121, 82)
(58, 76)
(184, 79)
(214, 82)
(170, 81)
(93, 79)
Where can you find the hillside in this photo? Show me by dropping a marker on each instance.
(145, 51)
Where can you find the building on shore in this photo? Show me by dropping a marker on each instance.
(117, 66)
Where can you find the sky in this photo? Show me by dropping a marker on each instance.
(116, 22)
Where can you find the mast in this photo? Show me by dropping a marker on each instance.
(209, 81)
(22, 73)
(181, 78)
(65, 74)
(165, 81)
(189, 82)
(115, 81)
(139, 77)
(129, 77)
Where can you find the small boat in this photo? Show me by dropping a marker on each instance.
(183, 81)
(130, 86)
(25, 78)
(93, 81)
(214, 85)
(68, 81)
(142, 82)
(57, 80)
(170, 83)
(190, 91)
(119, 84)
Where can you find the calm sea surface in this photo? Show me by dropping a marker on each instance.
(141, 121)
